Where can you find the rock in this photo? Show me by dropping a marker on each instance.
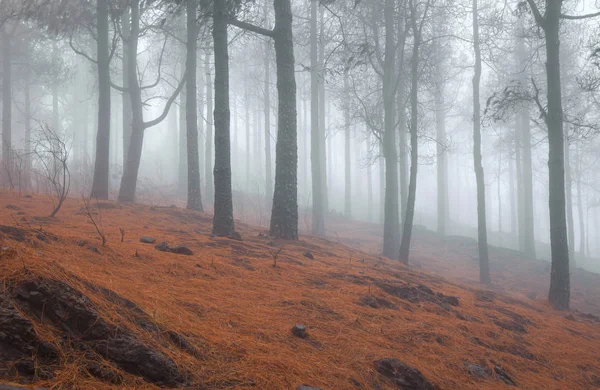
(12, 207)
(570, 317)
(376, 302)
(21, 213)
(28, 196)
(478, 371)
(15, 387)
(94, 249)
(76, 317)
(403, 376)
(163, 247)
(308, 255)
(304, 387)
(299, 331)
(181, 250)
(503, 376)
(147, 240)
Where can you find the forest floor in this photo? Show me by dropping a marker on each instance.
(78, 314)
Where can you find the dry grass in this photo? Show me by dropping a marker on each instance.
(238, 309)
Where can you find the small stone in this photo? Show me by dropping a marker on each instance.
(307, 387)
(147, 240)
(181, 250)
(12, 207)
(94, 249)
(299, 331)
(308, 255)
(163, 247)
(80, 242)
(478, 371)
(28, 196)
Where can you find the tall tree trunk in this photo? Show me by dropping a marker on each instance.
(316, 153)
(369, 183)
(134, 154)
(101, 165)
(484, 268)
(248, 148)
(559, 294)
(512, 197)
(284, 214)
(208, 156)
(267, 113)
(499, 181)
(580, 203)
(391, 218)
(569, 202)
(527, 170)
(347, 163)
(223, 224)
(182, 173)
(404, 251)
(7, 158)
(27, 125)
(194, 198)
(403, 155)
(127, 115)
(323, 115)
(442, 161)
(520, 185)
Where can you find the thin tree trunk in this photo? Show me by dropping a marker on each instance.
(484, 270)
(442, 161)
(404, 251)
(512, 197)
(324, 164)
(580, 203)
(127, 115)
(194, 198)
(209, 163)
(569, 202)
(316, 153)
(101, 165)
(499, 181)
(223, 224)
(284, 214)
(391, 217)
(267, 114)
(182, 174)
(248, 148)
(347, 164)
(369, 184)
(7, 160)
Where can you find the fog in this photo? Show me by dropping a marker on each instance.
(370, 55)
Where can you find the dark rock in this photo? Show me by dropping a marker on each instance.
(485, 296)
(12, 207)
(69, 311)
(94, 249)
(21, 213)
(14, 387)
(403, 376)
(503, 376)
(183, 343)
(420, 293)
(307, 387)
(512, 326)
(299, 331)
(104, 372)
(308, 255)
(181, 250)
(376, 302)
(28, 196)
(163, 247)
(147, 240)
(478, 371)
(14, 233)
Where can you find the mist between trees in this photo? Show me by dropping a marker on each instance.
(475, 118)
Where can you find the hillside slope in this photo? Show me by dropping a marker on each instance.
(76, 314)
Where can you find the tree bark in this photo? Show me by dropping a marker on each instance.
(7, 158)
(569, 202)
(267, 114)
(127, 115)
(442, 161)
(284, 214)
(580, 204)
(484, 270)
(391, 215)
(208, 155)
(414, 144)
(101, 165)
(223, 224)
(194, 198)
(347, 163)
(182, 173)
(316, 152)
